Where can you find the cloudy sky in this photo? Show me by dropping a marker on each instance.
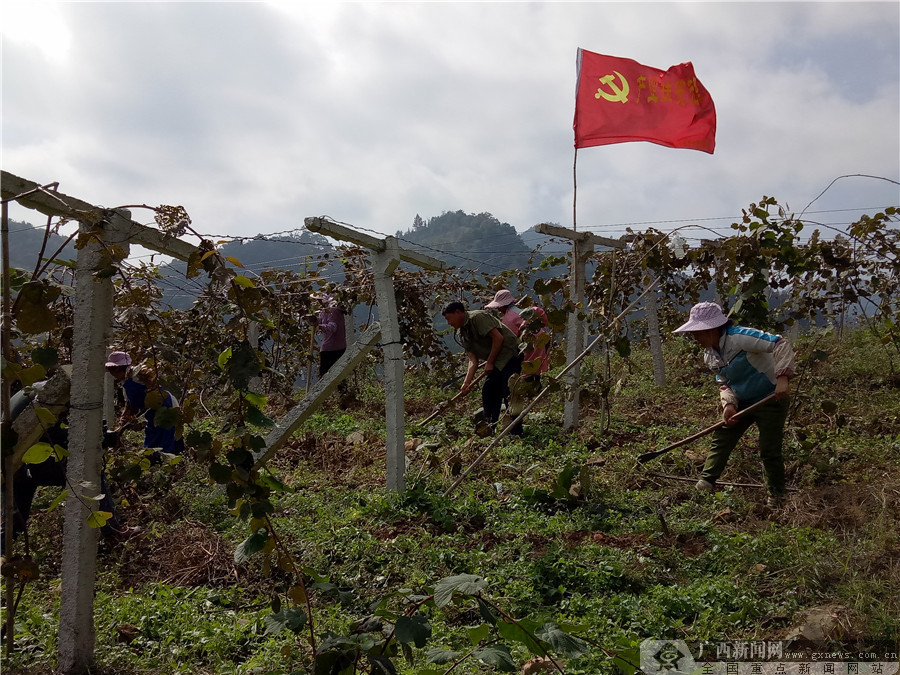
(255, 115)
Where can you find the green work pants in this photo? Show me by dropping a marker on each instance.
(770, 419)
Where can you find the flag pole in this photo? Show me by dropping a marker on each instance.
(575, 191)
(575, 220)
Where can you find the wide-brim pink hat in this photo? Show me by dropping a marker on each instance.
(704, 315)
(502, 298)
(118, 359)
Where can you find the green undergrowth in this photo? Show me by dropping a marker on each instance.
(564, 528)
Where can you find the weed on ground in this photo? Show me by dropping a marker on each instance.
(565, 528)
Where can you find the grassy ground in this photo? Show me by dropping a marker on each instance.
(622, 556)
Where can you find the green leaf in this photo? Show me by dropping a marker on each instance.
(166, 418)
(45, 416)
(557, 318)
(564, 482)
(294, 619)
(38, 453)
(532, 367)
(441, 656)
(315, 576)
(414, 629)
(486, 612)
(522, 633)
(243, 281)
(239, 457)
(562, 642)
(98, 519)
(464, 584)
(261, 509)
(32, 312)
(254, 399)
(220, 473)
(154, 399)
(255, 417)
(479, 633)
(60, 498)
(199, 440)
(224, 357)
(252, 544)
(234, 261)
(497, 656)
(45, 356)
(193, 263)
(335, 656)
(627, 660)
(623, 346)
(273, 483)
(129, 473)
(29, 376)
(381, 664)
(243, 365)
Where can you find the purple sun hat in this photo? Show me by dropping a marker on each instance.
(117, 360)
(704, 315)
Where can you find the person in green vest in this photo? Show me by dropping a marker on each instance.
(487, 341)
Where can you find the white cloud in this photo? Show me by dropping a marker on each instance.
(255, 115)
(38, 27)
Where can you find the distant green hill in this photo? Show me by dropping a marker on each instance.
(25, 245)
(290, 252)
(463, 240)
(468, 241)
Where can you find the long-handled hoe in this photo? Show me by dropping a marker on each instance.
(443, 407)
(647, 456)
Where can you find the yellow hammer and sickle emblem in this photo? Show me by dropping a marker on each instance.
(618, 93)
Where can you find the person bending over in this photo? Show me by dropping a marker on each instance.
(486, 340)
(749, 364)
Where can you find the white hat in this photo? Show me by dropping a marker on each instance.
(502, 298)
(704, 315)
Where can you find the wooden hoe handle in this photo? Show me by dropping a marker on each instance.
(451, 401)
(647, 456)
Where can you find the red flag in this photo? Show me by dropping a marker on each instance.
(620, 100)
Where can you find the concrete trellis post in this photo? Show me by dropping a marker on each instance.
(93, 321)
(575, 332)
(28, 426)
(653, 335)
(387, 255)
(385, 262)
(287, 425)
(583, 247)
(93, 326)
